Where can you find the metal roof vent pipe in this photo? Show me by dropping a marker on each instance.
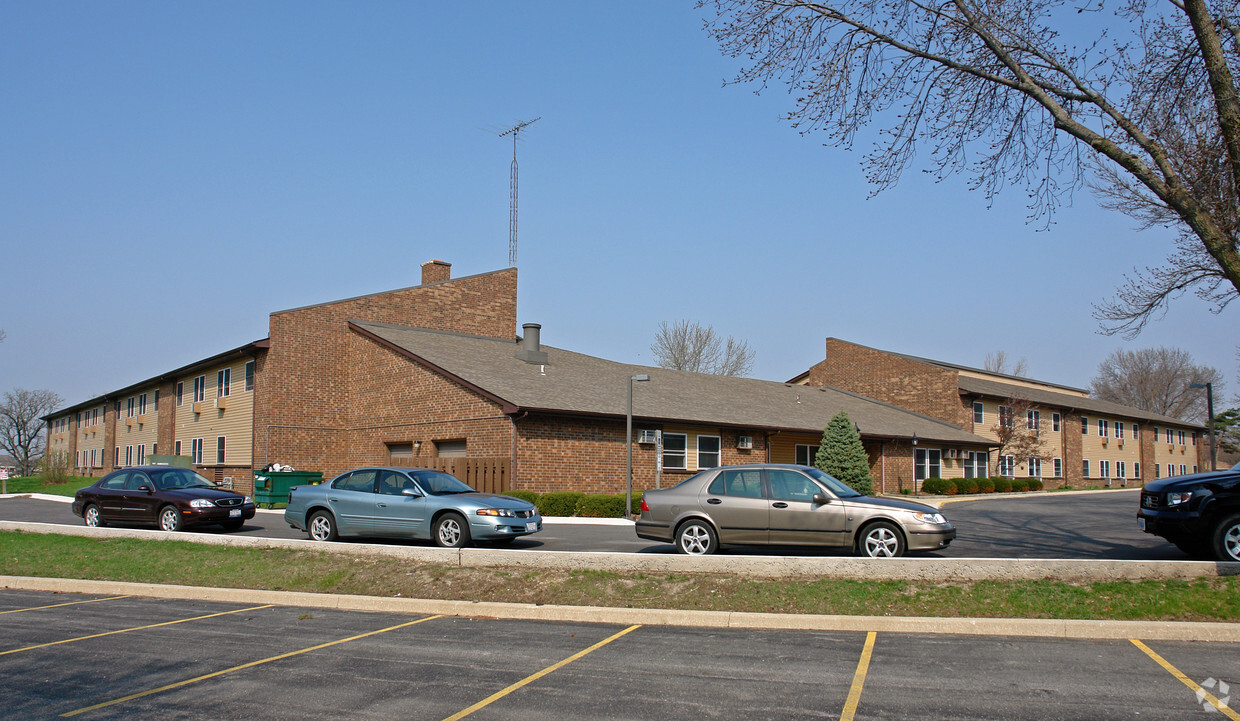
(531, 345)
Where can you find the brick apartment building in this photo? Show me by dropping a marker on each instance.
(436, 375)
(1083, 441)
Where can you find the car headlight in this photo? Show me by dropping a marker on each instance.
(202, 503)
(505, 512)
(934, 518)
(1178, 498)
(247, 501)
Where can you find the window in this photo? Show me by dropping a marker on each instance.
(1181, 442)
(975, 465)
(142, 454)
(195, 453)
(1104, 427)
(708, 452)
(200, 389)
(116, 457)
(180, 392)
(1119, 429)
(674, 445)
(249, 375)
(927, 463)
(1157, 471)
(1156, 434)
(223, 383)
(176, 448)
(155, 400)
(1007, 466)
(360, 481)
(92, 458)
(128, 455)
(742, 484)
(1183, 470)
(1057, 467)
(792, 486)
(142, 404)
(1084, 426)
(1194, 469)
(806, 455)
(1136, 434)
(1035, 467)
(1104, 469)
(129, 407)
(1136, 469)
(1119, 469)
(1055, 418)
(1085, 467)
(979, 412)
(1194, 438)
(1035, 420)
(1005, 416)
(219, 450)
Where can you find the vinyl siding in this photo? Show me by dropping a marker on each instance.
(235, 421)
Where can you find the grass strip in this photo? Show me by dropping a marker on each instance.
(175, 562)
(35, 484)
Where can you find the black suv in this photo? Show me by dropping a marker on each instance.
(1200, 513)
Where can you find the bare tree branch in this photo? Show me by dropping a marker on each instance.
(688, 346)
(1156, 380)
(21, 430)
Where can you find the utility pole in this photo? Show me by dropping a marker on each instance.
(512, 189)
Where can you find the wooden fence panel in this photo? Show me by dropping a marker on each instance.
(487, 475)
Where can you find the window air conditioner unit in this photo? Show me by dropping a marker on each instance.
(953, 453)
(221, 402)
(744, 442)
(646, 436)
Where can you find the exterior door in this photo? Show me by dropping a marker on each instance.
(797, 520)
(111, 497)
(738, 506)
(141, 506)
(353, 500)
(397, 514)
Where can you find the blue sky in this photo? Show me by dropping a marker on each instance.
(173, 172)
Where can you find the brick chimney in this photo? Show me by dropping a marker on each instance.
(436, 271)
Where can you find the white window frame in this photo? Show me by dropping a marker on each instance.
(223, 382)
(200, 389)
(1035, 467)
(128, 456)
(249, 375)
(129, 407)
(1119, 430)
(1104, 428)
(1034, 419)
(683, 455)
(1136, 469)
(1085, 468)
(141, 405)
(1084, 425)
(1056, 421)
(141, 454)
(1007, 466)
(1120, 469)
(979, 412)
(221, 450)
(1057, 467)
(931, 458)
(196, 451)
(976, 463)
(180, 392)
(1104, 469)
(1136, 433)
(176, 448)
(810, 452)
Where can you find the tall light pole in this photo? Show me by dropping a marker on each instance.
(628, 446)
(1210, 413)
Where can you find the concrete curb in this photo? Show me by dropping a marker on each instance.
(1036, 628)
(933, 570)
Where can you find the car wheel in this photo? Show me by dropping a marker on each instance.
(1227, 539)
(696, 538)
(451, 531)
(322, 526)
(169, 518)
(93, 518)
(881, 540)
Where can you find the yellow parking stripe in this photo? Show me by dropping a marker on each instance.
(530, 679)
(1227, 711)
(243, 666)
(58, 605)
(127, 630)
(863, 667)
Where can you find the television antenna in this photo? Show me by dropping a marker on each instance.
(514, 131)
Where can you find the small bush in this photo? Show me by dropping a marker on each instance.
(1020, 485)
(560, 503)
(528, 496)
(985, 485)
(966, 485)
(636, 507)
(1002, 485)
(1033, 484)
(601, 506)
(54, 467)
(935, 486)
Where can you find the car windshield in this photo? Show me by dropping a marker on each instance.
(836, 486)
(180, 478)
(441, 484)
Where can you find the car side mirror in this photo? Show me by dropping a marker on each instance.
(146, 489)
(410, 492)
(822, 498)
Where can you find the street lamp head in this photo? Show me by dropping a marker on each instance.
(1198, 385)
(640, 377)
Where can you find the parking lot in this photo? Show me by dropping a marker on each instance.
(99, 657)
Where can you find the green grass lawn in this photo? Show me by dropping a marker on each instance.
(174, 562)
(35, 484)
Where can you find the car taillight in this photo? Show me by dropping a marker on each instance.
(645, 508)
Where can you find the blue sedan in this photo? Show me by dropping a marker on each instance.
(408, 503)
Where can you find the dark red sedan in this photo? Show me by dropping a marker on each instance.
(168, 497)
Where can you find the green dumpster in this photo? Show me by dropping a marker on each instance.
(272, 487)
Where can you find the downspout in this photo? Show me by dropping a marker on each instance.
(882, 466)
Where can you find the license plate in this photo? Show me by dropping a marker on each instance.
(1141, 523)
(531, 526)
(235, 513)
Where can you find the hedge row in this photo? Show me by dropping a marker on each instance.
(963, 486)
(586, 505)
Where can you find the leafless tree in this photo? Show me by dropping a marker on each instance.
(1156, 380)
(21, 427)
(1146, 112)
(1017, 434)
(998, 362)
(687, 346)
